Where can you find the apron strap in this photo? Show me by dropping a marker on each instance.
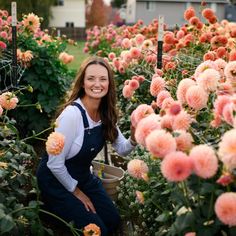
(85, 120)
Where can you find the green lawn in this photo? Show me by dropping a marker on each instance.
(77, 52)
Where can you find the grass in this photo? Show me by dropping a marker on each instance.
(79, 55)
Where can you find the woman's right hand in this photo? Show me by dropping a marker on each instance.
(84, 199)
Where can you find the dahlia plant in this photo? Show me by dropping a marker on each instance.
(44, 61)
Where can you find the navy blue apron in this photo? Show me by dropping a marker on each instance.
(63, 203)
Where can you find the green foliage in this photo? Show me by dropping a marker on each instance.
(50, 80)
(117, 3)
(152, 217)
(18, 188)
(39, 7)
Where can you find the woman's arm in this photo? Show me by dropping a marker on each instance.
(68, 125)
(122, 145)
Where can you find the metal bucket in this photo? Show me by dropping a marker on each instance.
(111, 177)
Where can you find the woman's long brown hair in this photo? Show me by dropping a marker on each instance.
(107, 108)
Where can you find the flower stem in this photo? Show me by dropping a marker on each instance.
(210, 206)
(73, 230)
(160, 208)
(36, 135)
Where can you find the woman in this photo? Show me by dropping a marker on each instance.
(87, 121)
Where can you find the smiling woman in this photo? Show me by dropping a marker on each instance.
(88, 119)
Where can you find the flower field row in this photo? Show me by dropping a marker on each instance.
(184, 171)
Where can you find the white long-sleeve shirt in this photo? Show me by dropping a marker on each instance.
(70, 124)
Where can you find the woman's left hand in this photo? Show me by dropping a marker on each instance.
(132, 134)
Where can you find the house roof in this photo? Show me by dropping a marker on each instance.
(193, 1)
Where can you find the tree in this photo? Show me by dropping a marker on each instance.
(42, 8)
(117, 3)
(97, 14)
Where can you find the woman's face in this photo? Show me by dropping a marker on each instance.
(96, 81)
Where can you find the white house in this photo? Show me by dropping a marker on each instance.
(171, 10)
(68, 17)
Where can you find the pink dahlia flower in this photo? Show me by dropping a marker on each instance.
(205, 162)
(157, 85)
(225, 208)
(160, 143)
(227, 149)
(145, 126)
(184, 140)
(182, 88)
(137, 168)
(196, 97)
(176, 166)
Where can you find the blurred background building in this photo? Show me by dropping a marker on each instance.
(72, 17)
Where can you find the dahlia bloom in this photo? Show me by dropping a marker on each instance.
(225, 208)
(135, 52)
(145, 126)
(230, 72)
(220, 103)
(139, 38)
(127, 91)
(166, 104)
(160, 143)
(208, 13)
(166, 122)
(181, 121)
(161, 97)
(92, 230)
(184, 140)
(203, 66)
(205, 162)
(140, 112)
(225, 179)
(175, 108)
(189, 13)
(228, 113)
(140, 197)
(31, 22)
(134, 84)
(147, 44)
(190, 234)
(65, 57)
(182, 89)
(209, 80)
(8, 100)
(137, 168)
(227, 149)
(196, 97)
(55, 143)
(176, 166)
(157, 85)
(126, 43)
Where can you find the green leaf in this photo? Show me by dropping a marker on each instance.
(163, 217)
(6, 224)
(207, 188)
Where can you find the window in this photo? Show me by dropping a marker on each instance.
(150, 6)
(59, 3)
(69, 24)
